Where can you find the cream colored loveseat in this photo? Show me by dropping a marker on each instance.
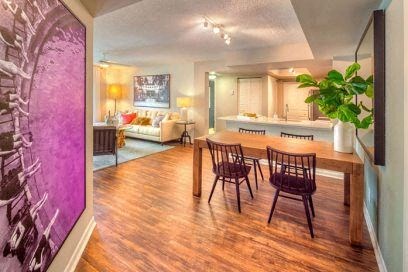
(167, 131)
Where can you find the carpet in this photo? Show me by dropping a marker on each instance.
(133, 149)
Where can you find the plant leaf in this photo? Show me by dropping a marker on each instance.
(351, 70)
(370, 79)
(370, 91)
(311, 98)
(366, 122)
(307, 84)
(305, 78)
(324, 84)
(335, 76)
(354, 108)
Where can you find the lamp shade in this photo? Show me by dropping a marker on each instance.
(184, 102)
(115, 91)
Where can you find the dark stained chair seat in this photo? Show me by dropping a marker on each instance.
(291, 184)
(232, 170)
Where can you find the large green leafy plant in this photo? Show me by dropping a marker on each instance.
(336, 93)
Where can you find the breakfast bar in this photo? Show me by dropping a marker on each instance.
(326, 158)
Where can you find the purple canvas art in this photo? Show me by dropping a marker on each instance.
(42, 130)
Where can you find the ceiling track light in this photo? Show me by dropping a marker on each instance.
(206, 24)
(217, 29)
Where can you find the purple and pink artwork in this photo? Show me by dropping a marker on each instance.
(42, 130)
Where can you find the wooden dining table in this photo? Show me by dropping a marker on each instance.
(326, 158)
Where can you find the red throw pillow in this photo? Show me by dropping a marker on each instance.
(128, 118)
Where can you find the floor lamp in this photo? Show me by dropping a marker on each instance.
(115, 92)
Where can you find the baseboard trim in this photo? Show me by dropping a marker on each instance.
(76, 256)
(374, 241)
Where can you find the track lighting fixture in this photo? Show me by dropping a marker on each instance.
(217, 29)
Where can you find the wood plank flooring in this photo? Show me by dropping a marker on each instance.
(148, 220)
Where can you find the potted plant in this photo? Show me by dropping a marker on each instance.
(335, 96)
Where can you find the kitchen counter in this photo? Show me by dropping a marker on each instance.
(321, 130)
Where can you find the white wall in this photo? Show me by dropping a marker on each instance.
(69, 247)
(226, 99)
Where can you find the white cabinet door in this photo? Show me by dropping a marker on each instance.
(250, 95)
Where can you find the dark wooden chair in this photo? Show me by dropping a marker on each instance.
(228, 163)
(254, 160)
(296, 136)
(104, 141)
(293, 174)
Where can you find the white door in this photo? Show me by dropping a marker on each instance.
(295, 99)
(250, 95)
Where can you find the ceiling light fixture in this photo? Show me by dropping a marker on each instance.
(291, 70)
(206, 24)
(217, 29)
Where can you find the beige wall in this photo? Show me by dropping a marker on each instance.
(64, 255)
(226, 99)
(181, 84)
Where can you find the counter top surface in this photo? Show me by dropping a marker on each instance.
(277, 122)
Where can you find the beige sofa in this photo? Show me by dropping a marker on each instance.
(167, 131)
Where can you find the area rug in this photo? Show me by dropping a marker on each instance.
(132, 150)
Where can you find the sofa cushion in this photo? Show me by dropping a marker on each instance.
(128, 118)
(157, 120)
(149, 130)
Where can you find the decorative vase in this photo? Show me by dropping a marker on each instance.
(343, 137)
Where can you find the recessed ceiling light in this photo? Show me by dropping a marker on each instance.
(216, 29)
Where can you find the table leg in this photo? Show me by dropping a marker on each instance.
(356, 204)
(197, 170)
(347, 189)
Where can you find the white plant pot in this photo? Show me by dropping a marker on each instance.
(344, 137)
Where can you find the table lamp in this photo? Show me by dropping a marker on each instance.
(115, 92)
(183, 103)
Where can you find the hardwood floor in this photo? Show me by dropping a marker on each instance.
(148, 220)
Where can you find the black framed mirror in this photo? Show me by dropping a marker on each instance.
(370, 54)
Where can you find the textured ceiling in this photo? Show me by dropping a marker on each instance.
(334, 28)
(161, 31)
(100, 7)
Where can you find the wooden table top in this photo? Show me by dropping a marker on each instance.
(324, 150)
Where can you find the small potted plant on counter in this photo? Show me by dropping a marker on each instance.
(335, 96)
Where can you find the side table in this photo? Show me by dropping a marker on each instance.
(185, 135)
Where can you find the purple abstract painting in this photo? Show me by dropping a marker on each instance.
(42, 130)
